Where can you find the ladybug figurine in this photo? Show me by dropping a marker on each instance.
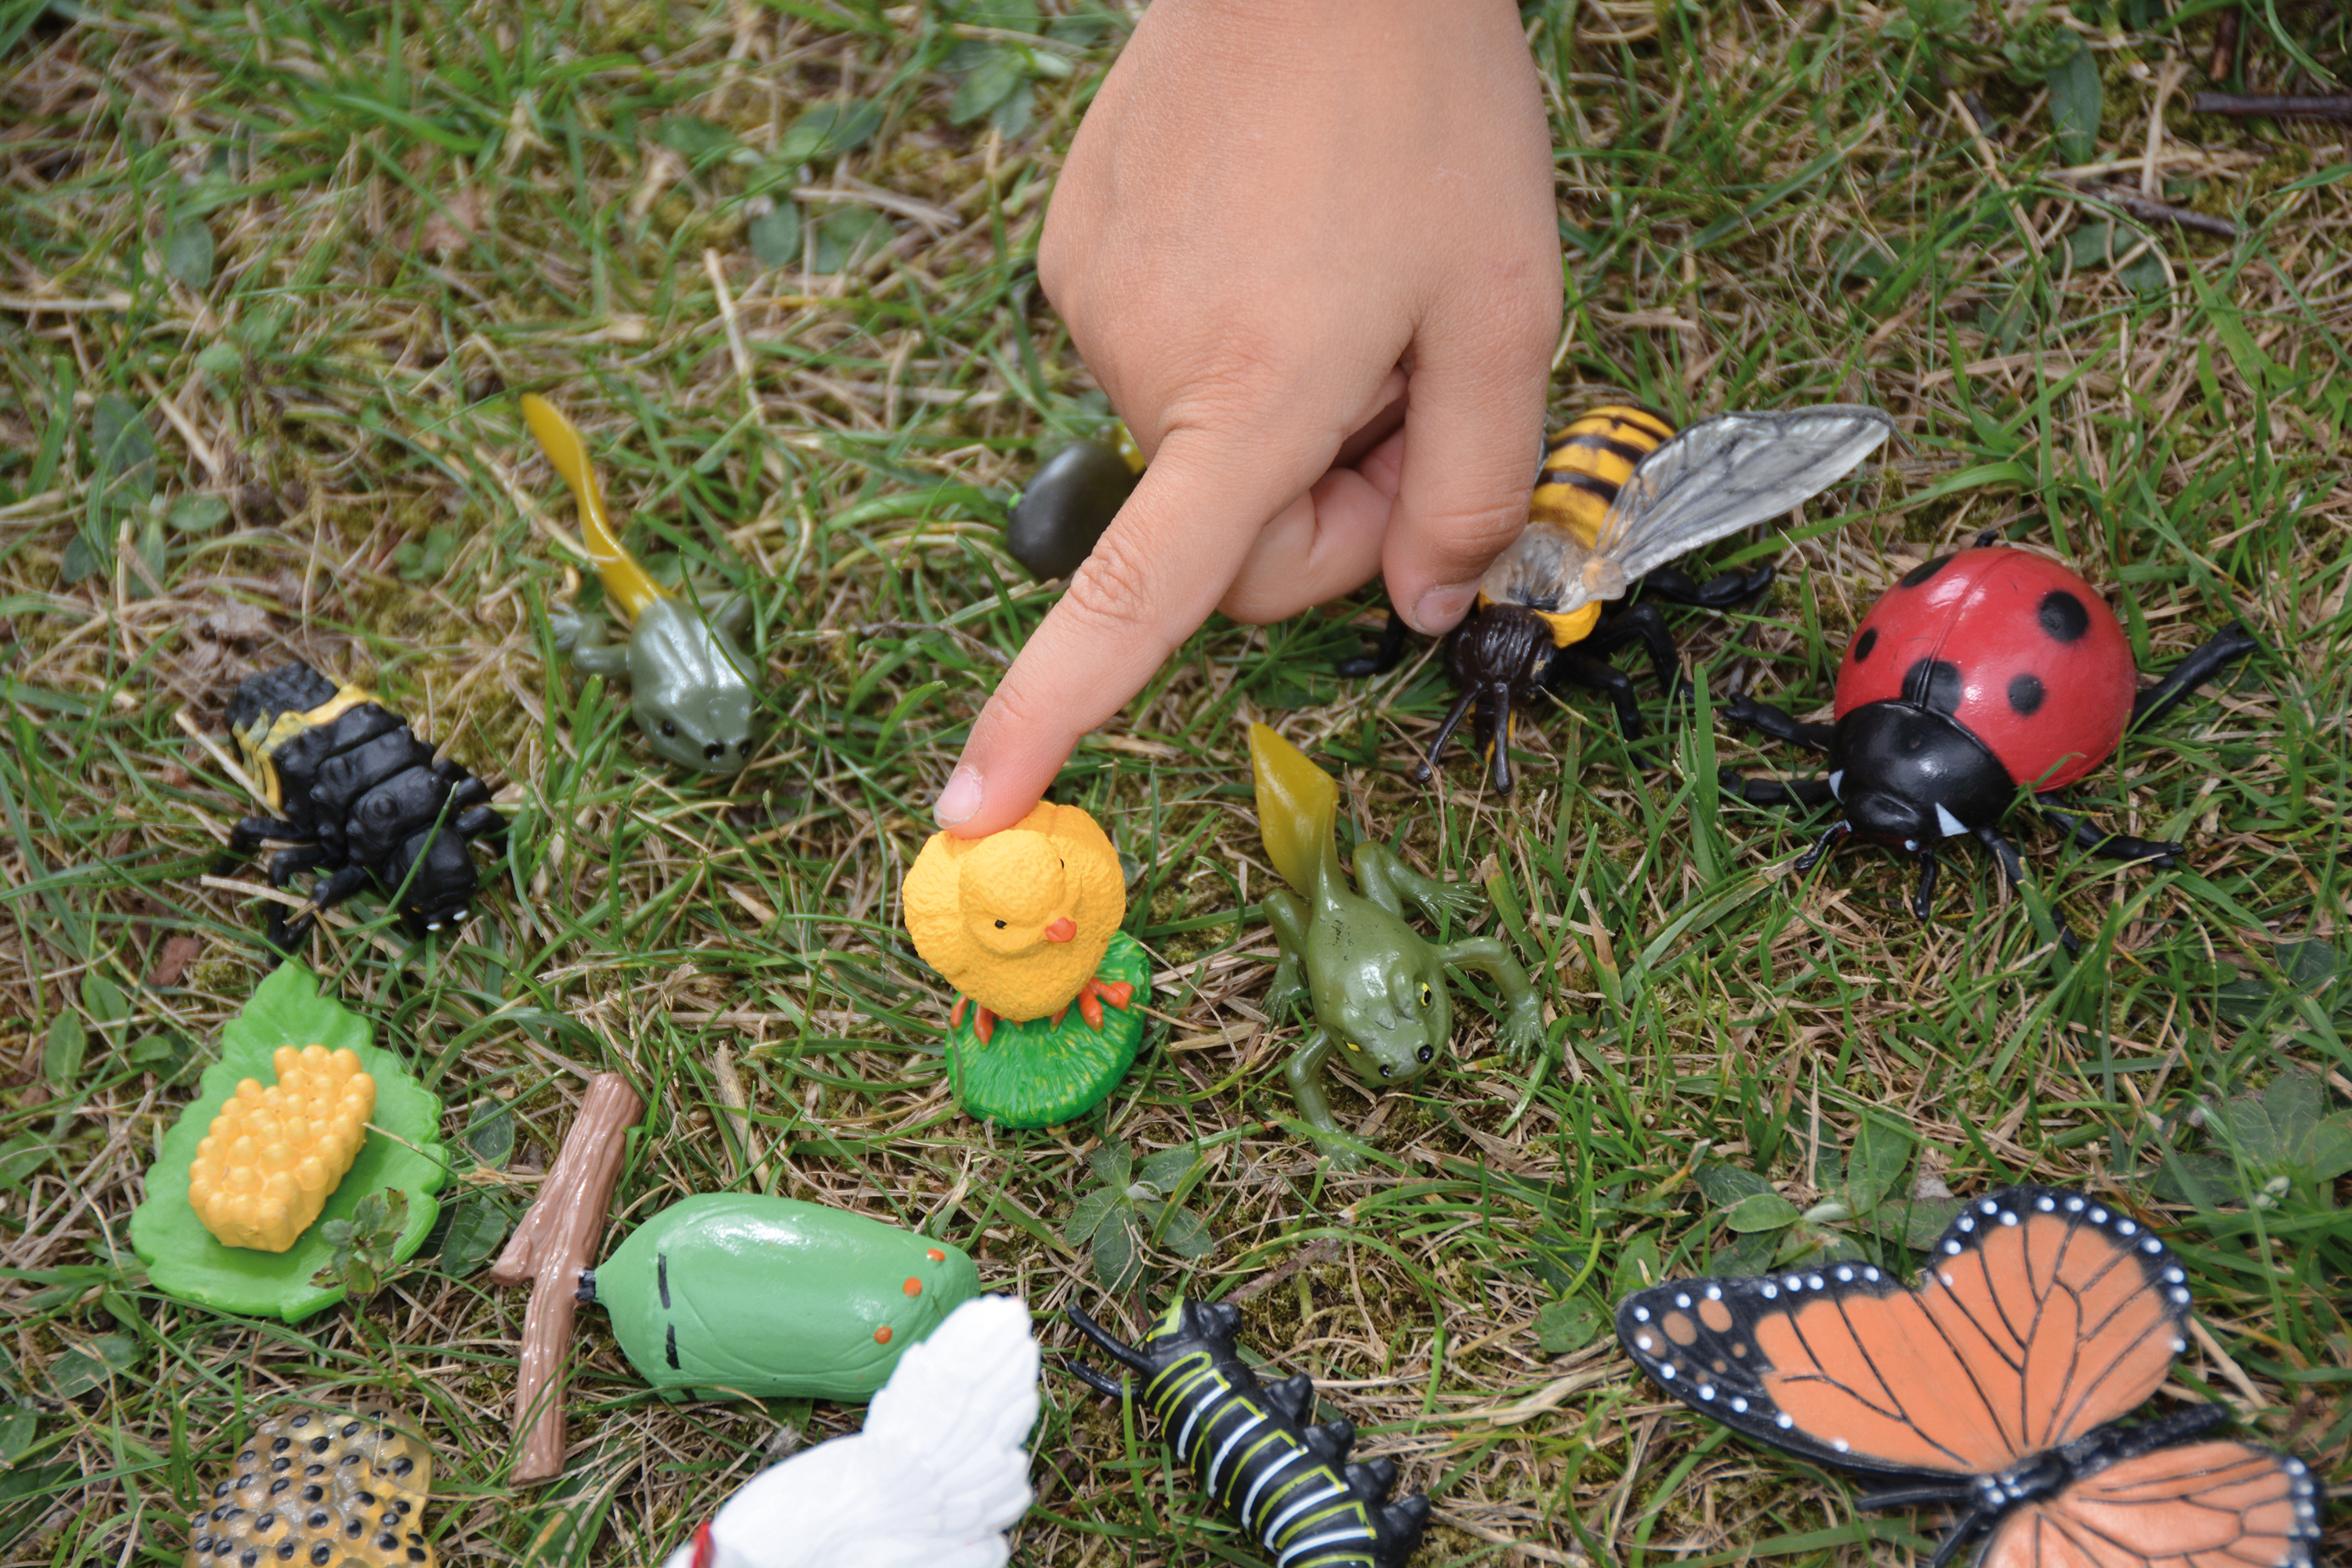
(1977, 675)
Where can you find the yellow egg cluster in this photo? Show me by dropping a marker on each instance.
(274, 1155)
(319, 1491)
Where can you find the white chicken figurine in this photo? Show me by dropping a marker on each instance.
(933, 1481)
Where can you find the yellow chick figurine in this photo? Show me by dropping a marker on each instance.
(1018, 922)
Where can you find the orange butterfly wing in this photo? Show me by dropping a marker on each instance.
(2201, 1505)
(2043, 1316)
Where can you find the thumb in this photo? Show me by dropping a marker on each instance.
(1473, 437)
(1153, 578)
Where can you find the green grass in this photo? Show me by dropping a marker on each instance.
(337, 240)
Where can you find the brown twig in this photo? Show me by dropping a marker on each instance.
(2325, 106)
(2150, 211)
(548, 1249)
(1305, 1258)
(2225, 47)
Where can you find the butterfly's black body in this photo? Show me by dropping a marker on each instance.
(1998, 1385)
(1289, 1483)
(360, 795)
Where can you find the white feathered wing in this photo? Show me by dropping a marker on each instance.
(933, 1481)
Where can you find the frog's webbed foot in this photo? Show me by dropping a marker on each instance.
(1387, 881)
(1521, 1024)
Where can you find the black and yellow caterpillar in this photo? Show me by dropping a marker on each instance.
(1289, 1483)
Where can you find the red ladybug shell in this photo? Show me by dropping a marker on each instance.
(2022, 652)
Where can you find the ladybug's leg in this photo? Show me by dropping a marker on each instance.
(1778, 723)
(2088, 839)
(1775, 792)
(1383, 659)
(1573, 664)
(1922, 901)
(2225, 648)
(1717, 593)
(2012, 872)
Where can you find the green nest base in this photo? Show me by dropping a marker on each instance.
(403, 1150)
(1038, 1073)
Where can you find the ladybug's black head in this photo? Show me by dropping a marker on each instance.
(437, 871)
(1910, 777)
(1491, 656)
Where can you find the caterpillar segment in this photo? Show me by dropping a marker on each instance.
(1290, 1484)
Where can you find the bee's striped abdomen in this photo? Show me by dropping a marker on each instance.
(1589, 462)
(1287, 1482)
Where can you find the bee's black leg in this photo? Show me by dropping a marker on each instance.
(1775, 792)
(288, 864)
(479, 822)
(1573, 664)
(1717, 593)
(250, 834)
(1643, 624)
(2088, 839)
(1781, 725)
(2012, 872)
(1382, 658)
(2225, 648)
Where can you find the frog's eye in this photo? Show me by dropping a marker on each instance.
(1427, 995)
(1387, 1071)
(669, 728)
(1428, 1053)
(743, 749)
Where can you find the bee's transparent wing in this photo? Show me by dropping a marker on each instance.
(1723, 474)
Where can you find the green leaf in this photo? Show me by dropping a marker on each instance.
(1184, 1233)
(1170, 1166)
(490, 1133)
(840, 232)
(2074, 106)
(1744, 1256)
(77, 1371)
(697, 140)
(827, 130)
(1113, 1163)
(1727, 1185)
(81, 562)
(188, 253)
(2285, 1131)
(185, 1260)
(1875, 1162)
(364, 1244)
(1637, 1266)
(474, 1233)
(221, 359)
(1565, 1326)
(1116, 1257)
(1760, 1211)
(1014, 116)
(21, 1156)
(193, 513)
(776, 235)
(1094, 1206)
(61, 1056)
(123, 451)
(1010, 15)
(991, 82)
(18, 1427)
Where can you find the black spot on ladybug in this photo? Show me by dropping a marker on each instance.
(1864, 643)
(2063, 616)
(1933, 683)
(1924, 570)
(2025, 695)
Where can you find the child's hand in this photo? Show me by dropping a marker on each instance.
(1279, 219)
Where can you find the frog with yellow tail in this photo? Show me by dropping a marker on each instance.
(1376, 985)
(690, 686)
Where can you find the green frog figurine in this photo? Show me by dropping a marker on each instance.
(1377, 986)
(690, 686)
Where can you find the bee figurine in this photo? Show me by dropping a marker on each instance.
(1289, 1483)
(690, 685)
(358, 795)
(1621, 494)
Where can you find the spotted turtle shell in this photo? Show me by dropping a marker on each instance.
(2017, 649)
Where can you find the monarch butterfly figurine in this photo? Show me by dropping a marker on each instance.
(1621, 495)
(1998, 1385)
(1289, 1483)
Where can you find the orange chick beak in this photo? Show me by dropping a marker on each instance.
(1063, 930)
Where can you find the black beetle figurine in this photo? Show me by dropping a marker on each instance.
(358, 796)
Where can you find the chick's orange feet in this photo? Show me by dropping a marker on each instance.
(1091, 997)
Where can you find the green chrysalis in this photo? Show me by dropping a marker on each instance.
(772, 1297)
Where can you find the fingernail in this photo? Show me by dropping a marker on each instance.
(959, 800)
(1441, 608)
